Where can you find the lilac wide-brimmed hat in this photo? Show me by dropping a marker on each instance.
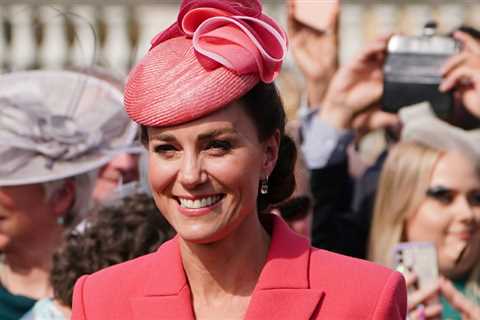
(214, 53)
(58, 124)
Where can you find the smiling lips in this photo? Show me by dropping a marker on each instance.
(465, 234)
(199, 203)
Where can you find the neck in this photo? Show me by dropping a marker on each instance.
(25, 270)
(65, 310)
(229, 267)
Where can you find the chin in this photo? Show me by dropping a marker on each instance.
(200, 234)
(4, 242)
(206, 231)
(454, 271)
(103, 190)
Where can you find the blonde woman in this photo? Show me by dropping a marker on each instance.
(429, 190)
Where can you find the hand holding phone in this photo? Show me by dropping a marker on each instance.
(420, 258)
(412, 71)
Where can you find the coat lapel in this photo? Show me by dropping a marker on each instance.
(284, 304)
(166, 294)
(163, 307)
(283, 290)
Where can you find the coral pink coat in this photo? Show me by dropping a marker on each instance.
(297, 282)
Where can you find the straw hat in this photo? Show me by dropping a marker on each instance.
(58, 124)
(215, 53)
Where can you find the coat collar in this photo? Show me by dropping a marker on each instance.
(166, 293)
(284, 278)
(283, 289)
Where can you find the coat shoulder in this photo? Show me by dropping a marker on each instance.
(127, 271)
(357, 288)
(345, 266)
(103, 294)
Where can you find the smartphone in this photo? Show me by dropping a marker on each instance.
(412, 71)
(317, 14)
(419, 257)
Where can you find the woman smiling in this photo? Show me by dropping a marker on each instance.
(429, 191)
(213, 124)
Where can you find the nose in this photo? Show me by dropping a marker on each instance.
(125, 161)
(127, 166)
(191, 173)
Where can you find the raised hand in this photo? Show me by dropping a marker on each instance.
(462, 73)
(357, 87)
(422, 304)
(467, 309)
(315, 53)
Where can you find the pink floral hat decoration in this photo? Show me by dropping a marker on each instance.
(215, 53)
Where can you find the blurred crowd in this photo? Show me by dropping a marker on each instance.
(415, 208)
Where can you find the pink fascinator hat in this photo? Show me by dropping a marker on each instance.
(214, 53)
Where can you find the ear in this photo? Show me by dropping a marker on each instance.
(63, 199)
(272, 146)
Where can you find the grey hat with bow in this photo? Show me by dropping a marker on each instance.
(58, 124)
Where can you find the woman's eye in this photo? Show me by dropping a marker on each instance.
(442, 195)
(474, 198)
(219, 145)
(164, 149)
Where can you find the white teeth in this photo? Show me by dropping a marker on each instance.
(199, 203)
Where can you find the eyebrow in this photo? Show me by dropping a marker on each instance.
(439, 187)
(167, 137)
(215, 133)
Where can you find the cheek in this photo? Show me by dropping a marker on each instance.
(429, 223)
(238, 174)
(160, 173)
(26, 211)
(160, 176)
(109, 173)
(26, 222)
(22, 223)
(476, 211)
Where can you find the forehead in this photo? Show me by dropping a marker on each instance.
(231, 118)
(457, 171)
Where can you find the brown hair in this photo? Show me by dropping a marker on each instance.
(127, 229)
